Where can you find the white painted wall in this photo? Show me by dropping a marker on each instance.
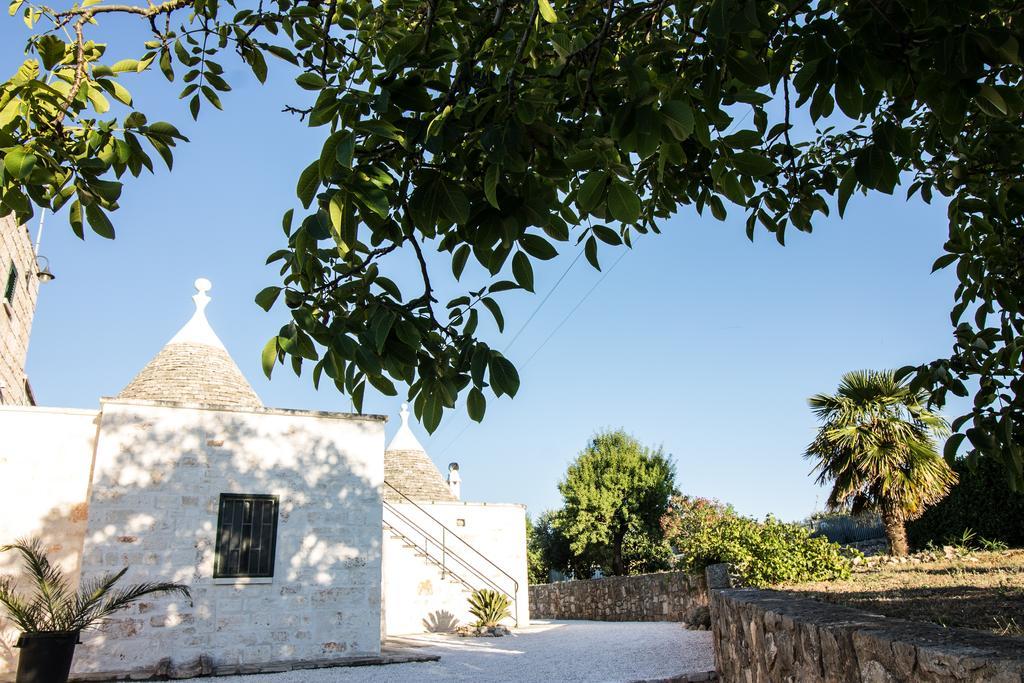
(45, 460)
(417, 598)
(159, 472)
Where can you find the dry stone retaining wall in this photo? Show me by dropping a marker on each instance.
(666, 596)
(771, 636)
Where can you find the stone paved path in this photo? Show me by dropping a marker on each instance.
(546, 651)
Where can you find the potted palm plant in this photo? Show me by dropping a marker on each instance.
(53, 616)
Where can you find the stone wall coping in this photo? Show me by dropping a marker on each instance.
(49, 409)
(624, 578)
(961, 641)
(368, 417)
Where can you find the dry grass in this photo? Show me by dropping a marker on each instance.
(980, 590)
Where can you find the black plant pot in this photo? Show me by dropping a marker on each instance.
(46, 656)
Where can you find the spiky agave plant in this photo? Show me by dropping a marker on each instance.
(53, 606)
(489, 607)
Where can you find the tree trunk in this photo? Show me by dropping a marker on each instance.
(896, 530)
(618, 566)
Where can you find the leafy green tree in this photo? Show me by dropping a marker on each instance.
(536, 568)
(505, 130)
(877, 449)
(616, 488)
(554, 551)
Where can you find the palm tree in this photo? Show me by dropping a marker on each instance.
(53, 606)
(877, 447)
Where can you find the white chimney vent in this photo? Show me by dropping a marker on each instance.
(454, 480)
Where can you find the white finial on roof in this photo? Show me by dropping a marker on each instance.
(404, 439)
(197, 330)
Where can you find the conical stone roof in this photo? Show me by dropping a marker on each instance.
(409, 469)
(194, 367)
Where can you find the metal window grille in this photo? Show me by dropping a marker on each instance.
(12, 282)
(246, 536)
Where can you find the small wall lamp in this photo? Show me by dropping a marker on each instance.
(44, 273)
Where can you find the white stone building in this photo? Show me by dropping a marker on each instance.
(19, 286)
(301, 538)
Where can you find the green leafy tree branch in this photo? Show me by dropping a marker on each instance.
(505, 130)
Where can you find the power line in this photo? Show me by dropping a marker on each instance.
(552, 334)
(544, 300)
(523, 327)
(575, 308)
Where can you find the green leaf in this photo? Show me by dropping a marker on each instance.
(943, 261)
(269, 356)
(345, 150)
(75, 219)
(952, 446)
(495, 310)
(607, 235)
(309, 81)
(846, 187)
(591, 192)
(476, 405)
(522, 271)
(452, 202)
(357, 396)
(678, 118)
(590, 249)
(336, 210)
(459, 260)
(753, 164)
(504, 377)
(258, 64)
(99, 222)
(491, 185)
(309, 183)
(267, 296)
(19, 163)
(993, 96)
(547, 11)
(383, 385)
(538, 247)
(623, 202)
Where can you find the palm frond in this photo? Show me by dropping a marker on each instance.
(24, 614)
(119, 599)
(877, 446)
(91, 594)
(53, 608)
(51, 586)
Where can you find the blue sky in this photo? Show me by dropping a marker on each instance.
(698, 341)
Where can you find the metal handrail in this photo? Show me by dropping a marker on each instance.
(428, 537)
(445, 551)
(462, 540)
(431, 558)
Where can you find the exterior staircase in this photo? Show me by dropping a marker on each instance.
(435, 543)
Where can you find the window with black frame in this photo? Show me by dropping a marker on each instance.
(12, 283)
(246, 536)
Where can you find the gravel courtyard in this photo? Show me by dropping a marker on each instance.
(577, 651)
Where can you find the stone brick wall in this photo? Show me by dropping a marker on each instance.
(771, 636)
(158, 474)
(16, 315)
(666, 596)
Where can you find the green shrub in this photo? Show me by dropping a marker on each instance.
(981, 503)
(489, 607)
(705, 532)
